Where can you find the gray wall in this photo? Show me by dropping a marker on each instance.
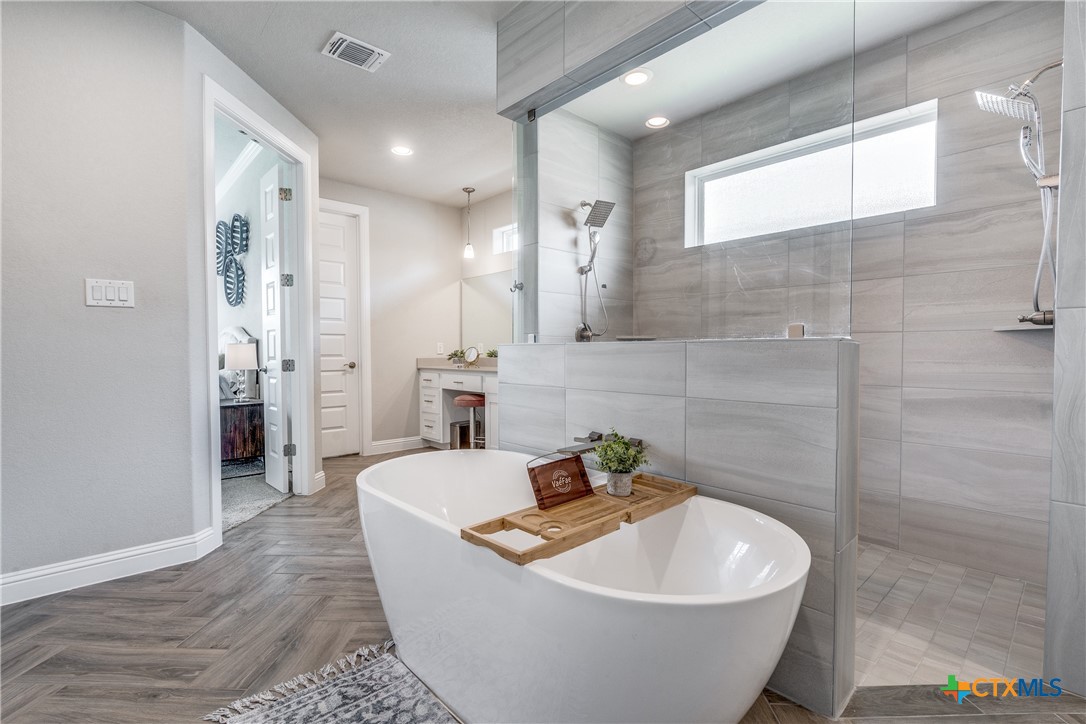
(955, 418)
(723, 431)
(579, 161)
(106, 411)
(1065, 620)
(416, 250)
(750, 287)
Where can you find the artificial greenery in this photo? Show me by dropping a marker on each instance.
(455, 355)
(492, 353)
(618, 455)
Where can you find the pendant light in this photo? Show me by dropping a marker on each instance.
(469, 250)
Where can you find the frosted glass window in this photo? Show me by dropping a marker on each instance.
(881, 165)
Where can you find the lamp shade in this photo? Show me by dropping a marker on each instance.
(241, 356)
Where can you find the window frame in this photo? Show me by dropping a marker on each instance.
(850, 133)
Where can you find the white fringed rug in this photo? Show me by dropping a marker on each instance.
(371, 685)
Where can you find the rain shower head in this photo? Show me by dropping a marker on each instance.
(1022, 110)
(600, 210)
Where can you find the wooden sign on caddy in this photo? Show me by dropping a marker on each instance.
(577, 522)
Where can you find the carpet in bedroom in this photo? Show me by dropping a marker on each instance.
(245, 498)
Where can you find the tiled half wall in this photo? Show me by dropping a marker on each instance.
(768, 424)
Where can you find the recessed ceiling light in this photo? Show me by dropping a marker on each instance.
(401, 150)
(638, 76)
(657, 122)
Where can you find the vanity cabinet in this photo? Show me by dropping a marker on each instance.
(437, 390)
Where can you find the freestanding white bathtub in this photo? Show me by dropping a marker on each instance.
(679, 618)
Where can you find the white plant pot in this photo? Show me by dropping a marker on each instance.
(619, 484)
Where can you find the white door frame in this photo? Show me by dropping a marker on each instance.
(305, 477)
(361, 215)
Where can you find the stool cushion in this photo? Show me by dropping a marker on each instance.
(469, 400)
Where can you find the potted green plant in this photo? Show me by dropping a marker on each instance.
(456, 357)
(619, 458)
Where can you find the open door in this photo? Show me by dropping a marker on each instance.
(276, 427)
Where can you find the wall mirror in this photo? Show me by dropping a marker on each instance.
(486, 310)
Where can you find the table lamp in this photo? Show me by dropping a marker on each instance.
(241, 357)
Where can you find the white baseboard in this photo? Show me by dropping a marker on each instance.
(66, 575)
(319, 481)
(379, 447)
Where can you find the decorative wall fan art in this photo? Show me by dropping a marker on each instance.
(232, 241)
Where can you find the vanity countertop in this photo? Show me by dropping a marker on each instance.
(485, 364)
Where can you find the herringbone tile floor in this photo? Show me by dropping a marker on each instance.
(288, 591)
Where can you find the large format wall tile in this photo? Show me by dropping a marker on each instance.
(880, 412)
(977, 239)
(1074, 56)
(802, 372)
(593, 27)
(980, 178)
(529, 50)
(880, 466)
(568, 160)
(981, 480)
(980, 299)
(653, 368)
(678, 317)
(659, 421)
(985, 360)
(774, 451)
(876, 305)
(540, 365)
(1071, 251)
(757, 121)
(1065, 618)
(1016, 422)
(1002, 544)
(880, 358)
(822, 308)
(754, 313)
(1069, 409)
(963, 126)
(1027, 40)
(668, 154)
(532, 417)
(880, 79)
(878, 250)
(879, 519)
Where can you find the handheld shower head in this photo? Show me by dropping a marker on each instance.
(599, 211)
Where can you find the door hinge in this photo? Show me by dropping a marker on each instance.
(286, 280)
(290, 450)
(286, 194)
(287, 365)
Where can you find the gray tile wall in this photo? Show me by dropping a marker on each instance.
(579, 161)
(951, 413)
(955, 418)
(1065, 620)
(769, 424)
(753, 287)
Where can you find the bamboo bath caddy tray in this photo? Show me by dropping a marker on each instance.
(577, 522)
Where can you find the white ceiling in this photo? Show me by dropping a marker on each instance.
(768, 44)
(435, 94)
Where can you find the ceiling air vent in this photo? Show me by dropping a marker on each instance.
(354, 51)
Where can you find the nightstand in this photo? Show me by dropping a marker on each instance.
(242, 428)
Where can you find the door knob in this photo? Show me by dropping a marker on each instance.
(350, 365)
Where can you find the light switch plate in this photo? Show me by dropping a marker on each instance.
(110, 293)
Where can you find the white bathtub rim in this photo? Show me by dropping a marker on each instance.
(793, 572)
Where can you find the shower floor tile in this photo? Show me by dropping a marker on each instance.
(919, 619)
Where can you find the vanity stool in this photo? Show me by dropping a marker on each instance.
(473, 402)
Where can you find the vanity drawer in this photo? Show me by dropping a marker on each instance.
(430, 402)
(456, 381)
(429, 427)
(429, 379)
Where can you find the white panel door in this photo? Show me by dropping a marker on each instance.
(339, 308)
(275, 393)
